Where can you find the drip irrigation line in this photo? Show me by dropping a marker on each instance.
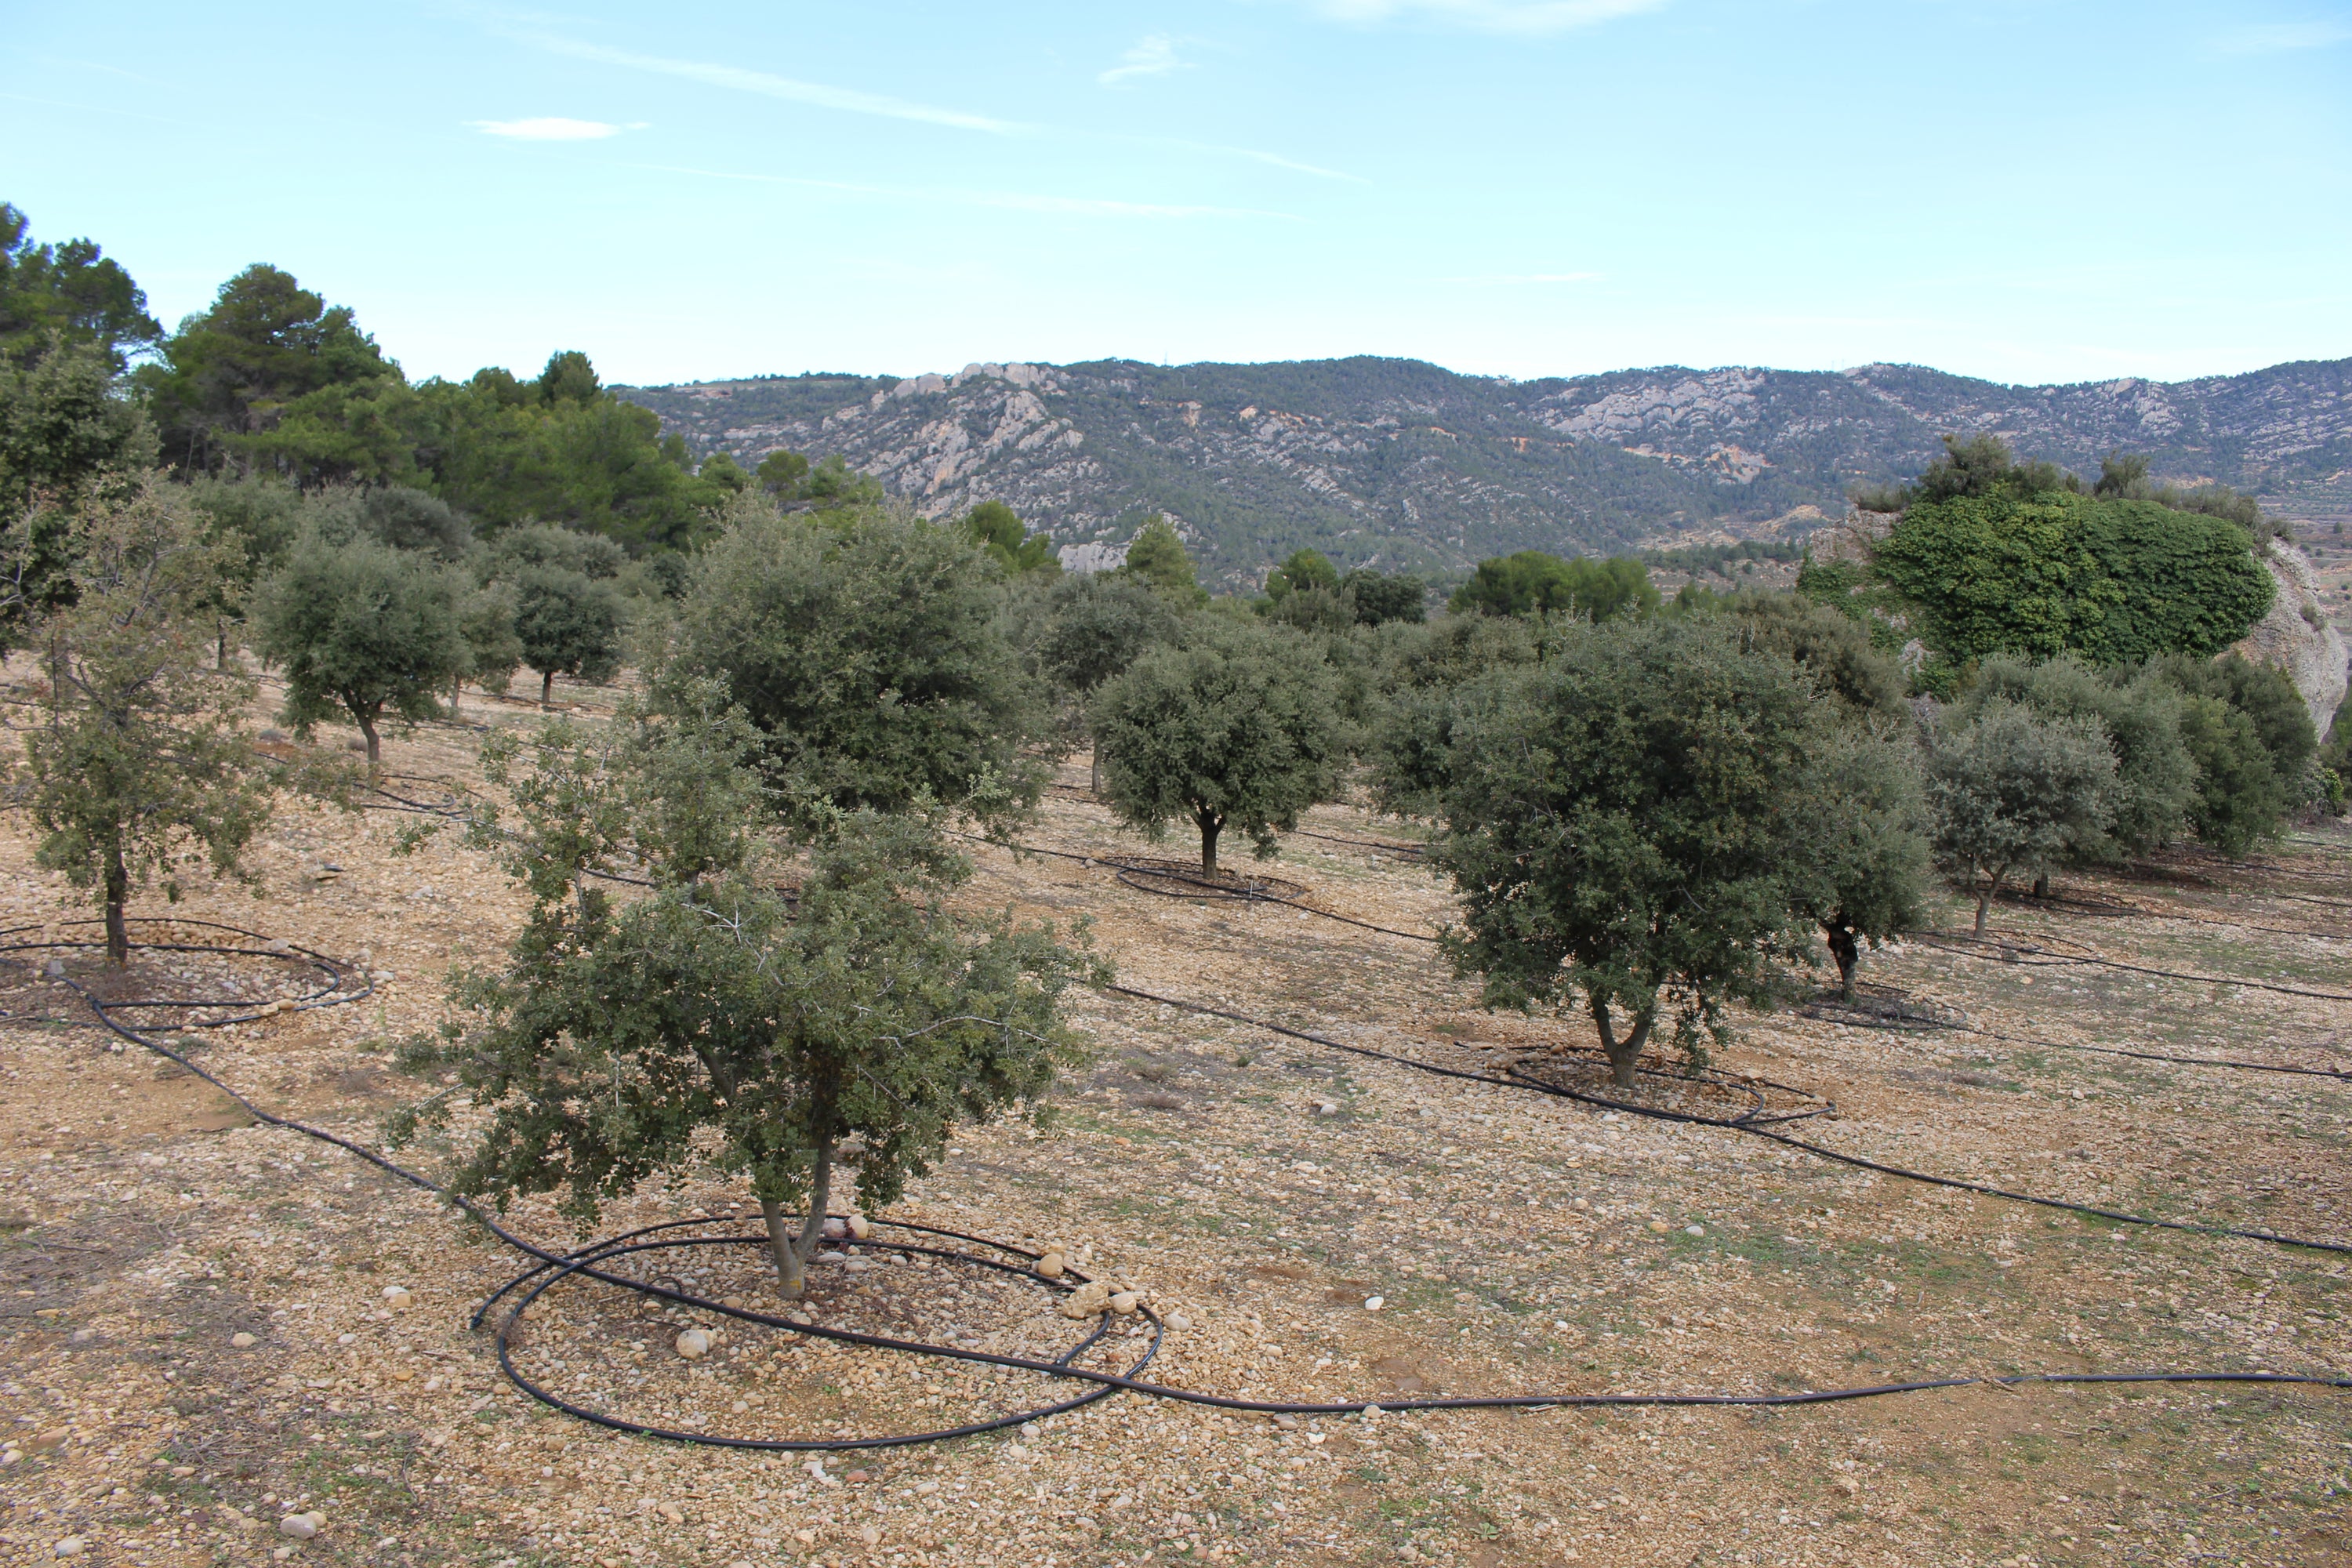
(2050, 958)
(2063, 905)
(1761, 1128)
(548, 1268)
(1119, 863)
(2339, 1074)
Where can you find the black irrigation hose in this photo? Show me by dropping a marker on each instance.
(1118, 863)
(1757, 1127)
(550, 1268)
(1959, 944)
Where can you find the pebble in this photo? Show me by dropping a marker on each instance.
(1125, 1300)
(1694, 1230)
(856, 1265)
(860, 1226)
(1178, 1322)
(1661, 1226)
(836, 1228)
(1087, 1300)
(1846, 1484)
(1327, 1107)
(1051, 1265)
(302, 1526)
(71, 1546)
(397, 1297)
(694, 1344)
(1374, 1303)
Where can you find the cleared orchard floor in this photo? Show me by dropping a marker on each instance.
(1513, 1240)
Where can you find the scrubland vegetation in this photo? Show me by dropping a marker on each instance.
(744, 940)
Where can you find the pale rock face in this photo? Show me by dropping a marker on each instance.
(2314, 657)
(1088, 559)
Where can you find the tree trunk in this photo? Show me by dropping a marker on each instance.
(374, 745)
(2042, 884)
(1210, 827)
(220, 648)
(546, 690)
(1845, 949)
(1625, 1054)
(117, 892)
(1985, 902)
(1093, 771)
(791, 1253)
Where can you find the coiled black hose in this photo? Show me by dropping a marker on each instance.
(548, 1268)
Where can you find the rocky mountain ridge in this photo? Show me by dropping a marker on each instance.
(1408, 465)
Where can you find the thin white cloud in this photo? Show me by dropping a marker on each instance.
(1153, 54)
(1255, 156)
(737, 79)
(1014, 201)
(548, 128)
(1500, 279)
(2281, 36)
(1517, 16)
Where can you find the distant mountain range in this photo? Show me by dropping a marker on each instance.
(1407, 465)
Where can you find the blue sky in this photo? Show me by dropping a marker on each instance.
(2028, 190)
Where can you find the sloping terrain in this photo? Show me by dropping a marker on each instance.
(1407, 465)
(208, 1326)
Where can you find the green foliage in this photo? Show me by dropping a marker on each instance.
(2011, 791)
(1828, 644)
(1379, 597)
(2125, 475)
(782, 474)
(1234, 725)
(1157, 556)
(1417, 681)
(1094, 626)
(867, 648)
(1981, 468)
(1533, 583)
(1306, 569)
(715, 1027)
(69, 295)
(360, 628)
(140, 761)
(567, 622)
(2118, 582)
(997, 529)
(2253, 743)
(831, 486)
(398, 515)
(494, 650)
(1639, 821)
(1865, 876)
(561, 451)
(1700, 559)
(2141, 715)
(228, 374)
(2335, 757)
(68, 439)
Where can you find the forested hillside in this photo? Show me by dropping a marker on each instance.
(1402, 464)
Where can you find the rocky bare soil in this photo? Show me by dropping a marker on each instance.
(224, 1343)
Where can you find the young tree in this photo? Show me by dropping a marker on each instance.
(1234, 725)
(1157, 556)
(2011, 790)
(486, 621)
(1532, 582)
(360, 628)
(711, 1025)
(1638, 823)
(569, 624)
(1095, 626)
(998, 530)
(1306, 570)
(1384, 596)
(1864, 875)
(867, 648)
(141, 762)
(2142, 715)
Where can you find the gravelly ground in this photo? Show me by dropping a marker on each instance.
(1519, 1244)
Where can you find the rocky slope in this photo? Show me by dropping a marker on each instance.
(1404, 464)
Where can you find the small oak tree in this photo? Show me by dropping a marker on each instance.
(568, 624)
(1235, 725)
(715, 1025)
(142, 760)
(1637, 823)
(868, 647)
(2014, 791)
(360, 628)
(1095, 626)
